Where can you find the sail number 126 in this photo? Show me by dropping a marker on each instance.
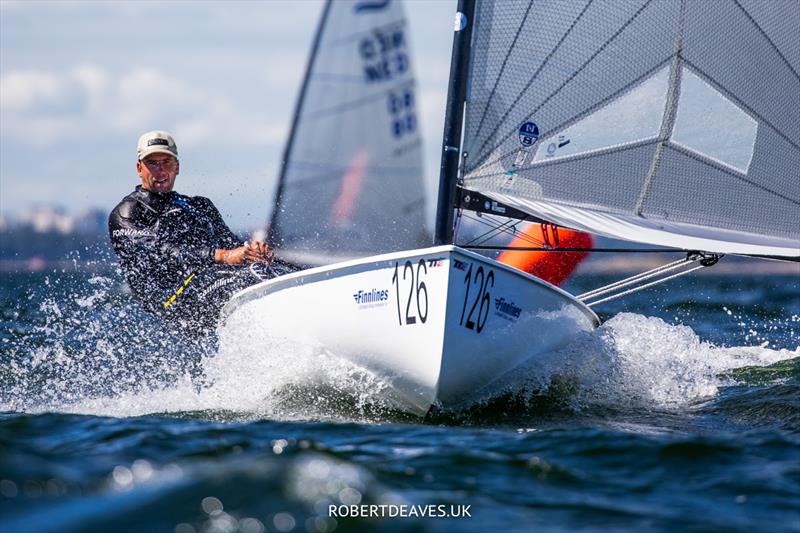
(417, 292)
(481, 300)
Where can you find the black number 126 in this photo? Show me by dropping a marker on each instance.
(416, 287)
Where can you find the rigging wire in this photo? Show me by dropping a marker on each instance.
(545, 249)
(638, 277)
(494, 231)
(704, 260)
(507, 228)
(646, 285)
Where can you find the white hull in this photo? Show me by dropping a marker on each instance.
(438, 324)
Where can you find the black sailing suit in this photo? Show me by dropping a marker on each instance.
(165, 244)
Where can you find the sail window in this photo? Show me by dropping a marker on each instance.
(711, 125)
(631, 118)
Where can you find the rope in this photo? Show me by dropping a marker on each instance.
(704, 260)
(652, 283)
(638, 277)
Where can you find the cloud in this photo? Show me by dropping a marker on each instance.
(43, 108)
(25, 89)
(145, 95)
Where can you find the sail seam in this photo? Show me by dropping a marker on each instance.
(359, 102)
(341, 168)
(508, 55)
(670, 110)
(358, 35)
(331, 76)
(563, 84)
(764, 34)
(711, 163)
(336, 174)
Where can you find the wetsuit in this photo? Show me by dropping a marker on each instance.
(165, 244)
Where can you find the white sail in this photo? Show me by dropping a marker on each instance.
(667, 122)
(352, 180)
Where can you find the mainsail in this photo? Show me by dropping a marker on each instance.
(669, 122)
(352, 179)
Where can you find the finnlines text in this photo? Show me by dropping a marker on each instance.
(368, 297)
(505, 307)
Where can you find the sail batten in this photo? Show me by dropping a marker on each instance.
(349, 105)
(673, 123)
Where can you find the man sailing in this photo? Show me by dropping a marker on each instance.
(180, 259)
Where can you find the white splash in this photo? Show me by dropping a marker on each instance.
(638, 361)
(256, 376)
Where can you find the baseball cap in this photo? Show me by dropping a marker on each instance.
(156, 142)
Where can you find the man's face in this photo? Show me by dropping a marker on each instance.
(158, 172)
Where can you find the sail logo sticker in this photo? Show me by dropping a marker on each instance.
(528, 133)
(370, 5)
(556, 145)
(494, 207)
(506, 309)
(371, 298)
(436, 262)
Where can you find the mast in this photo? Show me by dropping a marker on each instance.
(272, 236)
(453, 121)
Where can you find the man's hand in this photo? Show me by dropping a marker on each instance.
(258, 252)
(254, 252)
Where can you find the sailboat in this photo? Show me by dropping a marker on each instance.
(668, 123)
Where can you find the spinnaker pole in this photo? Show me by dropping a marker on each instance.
(453, 121)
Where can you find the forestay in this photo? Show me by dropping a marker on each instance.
(674, 123)
(352, 178)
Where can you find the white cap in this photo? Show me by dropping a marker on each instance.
(154, 142)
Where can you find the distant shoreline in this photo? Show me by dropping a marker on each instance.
(614, 264)
(727, 266)
(37, 264)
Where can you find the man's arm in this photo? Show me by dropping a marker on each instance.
(232, 251)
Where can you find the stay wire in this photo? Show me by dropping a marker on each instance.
(507, 228)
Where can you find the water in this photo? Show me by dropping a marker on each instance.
(681, 413)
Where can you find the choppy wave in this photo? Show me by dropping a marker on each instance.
(631, 363)
(91, 351)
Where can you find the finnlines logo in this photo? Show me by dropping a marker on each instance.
(506, 308)
(374, 296)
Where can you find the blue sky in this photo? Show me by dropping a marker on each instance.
(79, 81)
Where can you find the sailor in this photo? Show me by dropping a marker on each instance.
(180, 259)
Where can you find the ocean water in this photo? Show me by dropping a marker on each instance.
(680, 413)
